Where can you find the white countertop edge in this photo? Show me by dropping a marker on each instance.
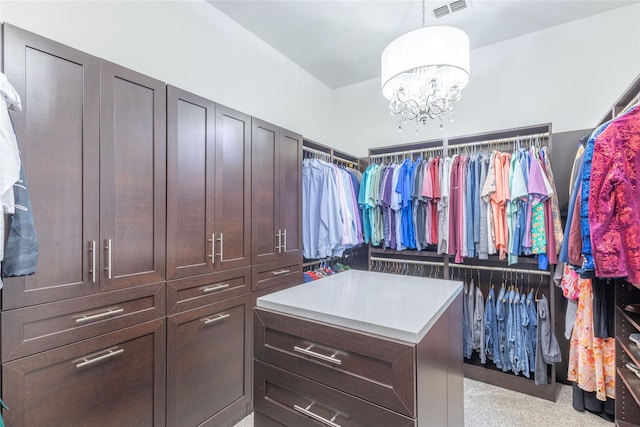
(413, 337)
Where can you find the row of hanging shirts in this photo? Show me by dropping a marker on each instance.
(469, 204)
(331, 219)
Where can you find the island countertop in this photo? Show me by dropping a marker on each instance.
(389, 305)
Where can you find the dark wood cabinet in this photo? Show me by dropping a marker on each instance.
(114, 379)
(627, 351)
(58, 134)
(132, 178)
(276, 193)
(94, 154)
(208, 359)
(208, 188)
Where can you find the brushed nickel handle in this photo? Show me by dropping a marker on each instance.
(92, 249)
(279, 247)
(308, 352)
(221, 246)
(212, 255)
(285, 240)
(316, 417)
(214, 288)
(112, 352)
(279, 272)
(108, 248)
(216, 319)
(109, 312)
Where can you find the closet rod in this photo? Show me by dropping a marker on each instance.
(406, 261)
(340, 159)
(397, 153)
(631, 103)
(313, 150)
(499, 141)
(506, 270)
(466, 266)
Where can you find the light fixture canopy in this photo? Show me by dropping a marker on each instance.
(424, 72)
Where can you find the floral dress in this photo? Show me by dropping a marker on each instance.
(591, 360)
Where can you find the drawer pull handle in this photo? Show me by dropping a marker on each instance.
(112, 352)
(88, 318)
(316, 417)
(215, 288)
(216, 319)
(307, 351)
(279, 272)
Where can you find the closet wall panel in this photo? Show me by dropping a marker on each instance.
(290, 193)
(58, 134)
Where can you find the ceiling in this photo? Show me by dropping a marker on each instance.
(340, 41)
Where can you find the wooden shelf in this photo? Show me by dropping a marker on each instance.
(631, 382)
(630, 348)
(632, 318)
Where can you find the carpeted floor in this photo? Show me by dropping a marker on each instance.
(489, 406)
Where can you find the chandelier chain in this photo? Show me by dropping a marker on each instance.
(424, 19)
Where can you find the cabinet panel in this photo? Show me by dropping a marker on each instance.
(26, 331)
(295, 401)
(277, 273)
(190, 176)
(378, 370)
(290, 193)
(209, 363)
(233, 188)
(58, 134)
(264, 185)
(97, 382)
(193, 292)
(132, 177)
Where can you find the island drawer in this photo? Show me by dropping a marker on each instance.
(295, 401)
(379, 370)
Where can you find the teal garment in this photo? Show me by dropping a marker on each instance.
(5, 408)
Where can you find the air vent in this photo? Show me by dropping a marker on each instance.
(441, 11)
(457, 5)
(452, 7)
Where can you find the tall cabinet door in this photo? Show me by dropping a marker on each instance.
(132, 177)
(191, 241)
(58, 135)
(232, 188)
(266, 236)
(290, 194)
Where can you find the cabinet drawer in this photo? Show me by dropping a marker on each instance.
(27, 331)
(105, 381)
(208, 364)
(378, 370)
(295, 401)
(193, 292)
(277, 273)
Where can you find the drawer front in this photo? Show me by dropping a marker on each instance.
(378, 370)
(277, 273)
(30, 330)
(209, 365)
(296, 401)
(115, 379)
(193, 292)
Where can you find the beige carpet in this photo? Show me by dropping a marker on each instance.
(489, 406)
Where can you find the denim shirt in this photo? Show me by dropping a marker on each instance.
(501, 317)
(491, 326)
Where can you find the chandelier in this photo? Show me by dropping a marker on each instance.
(424, 72)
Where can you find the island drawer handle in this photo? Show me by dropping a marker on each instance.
(109, 312)
(279, 272)
(218, 318)
(112, 352)
(316, 417)
(215, 287)
(307, 351)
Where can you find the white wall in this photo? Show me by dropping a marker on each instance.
(189, 44)
(568, 75)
